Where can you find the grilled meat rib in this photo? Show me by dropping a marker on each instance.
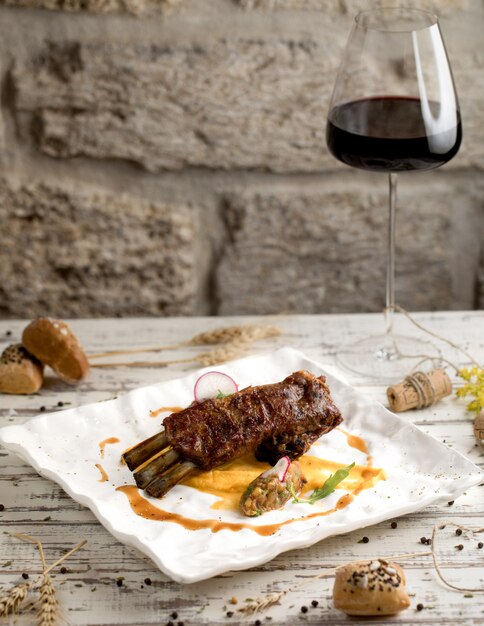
(280, 419)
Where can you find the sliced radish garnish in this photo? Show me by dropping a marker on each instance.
(280, 469)
(213, 384)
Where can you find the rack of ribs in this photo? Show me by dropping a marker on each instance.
(280, 419)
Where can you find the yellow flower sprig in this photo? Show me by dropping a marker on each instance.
(474, 386)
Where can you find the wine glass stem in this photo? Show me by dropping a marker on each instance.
(390, 294)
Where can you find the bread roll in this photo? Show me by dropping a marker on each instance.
(370, 588)
(54, 343)
(20, 372)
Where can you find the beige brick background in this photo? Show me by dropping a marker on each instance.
(165, 157)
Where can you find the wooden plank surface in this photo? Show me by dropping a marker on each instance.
(89, 589)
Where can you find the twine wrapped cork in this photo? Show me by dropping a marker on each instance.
(479, 428)
(419, 390)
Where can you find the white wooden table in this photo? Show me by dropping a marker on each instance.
(105, 581)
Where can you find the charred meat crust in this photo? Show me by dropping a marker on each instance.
(289, 415)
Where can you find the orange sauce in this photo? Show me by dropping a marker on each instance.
(166, 409)
(143, 507)
(354, 441)
(102, 444)
(104, 476)
(229, 481)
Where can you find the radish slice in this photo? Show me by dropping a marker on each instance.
(213, 384)
(280, 468)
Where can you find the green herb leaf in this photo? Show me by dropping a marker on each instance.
(221, 394)
(328, 487)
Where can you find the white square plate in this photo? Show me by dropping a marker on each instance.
(64, 446)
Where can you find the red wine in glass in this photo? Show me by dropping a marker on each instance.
(394, 109)
(388, 134)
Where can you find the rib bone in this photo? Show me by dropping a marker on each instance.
(161, 484)
(154, 468)
(145, 450)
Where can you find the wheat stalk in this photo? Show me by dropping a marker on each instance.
(235, 333)
(12, 601)
(226, 352)
(48, 612)
(247, 333)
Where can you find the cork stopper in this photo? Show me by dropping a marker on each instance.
(419, 390)
(479, 428)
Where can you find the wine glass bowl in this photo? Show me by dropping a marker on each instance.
(394, 108)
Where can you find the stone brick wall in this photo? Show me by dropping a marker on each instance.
(164, 157)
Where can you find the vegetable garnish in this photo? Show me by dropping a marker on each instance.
(327, 489)
(214, 385)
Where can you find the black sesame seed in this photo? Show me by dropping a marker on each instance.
(451, 502)
(394, 524)
(174, 615)
(460, 547)
(229, 613)
(25, 576)
(147, 581)
(304, 609)
(458, 532)
(314, 603)
(480, 544)
(420, 607)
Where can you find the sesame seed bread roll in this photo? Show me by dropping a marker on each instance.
(370, 588)
(54, 343)
(20, 372)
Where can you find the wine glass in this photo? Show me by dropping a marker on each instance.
(394, 108)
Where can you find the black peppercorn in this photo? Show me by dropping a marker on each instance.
(63, 570)
(25, 576)
(423, 540)
(60, 403)
(364, 540)
(460, 547)
(480, 544)
(314, 603)
(2, 507)
(229, 613)
(451, 502)
(147, 581)
(304, 609)
(394, 524)
(119, 582)
(42, 409)
(257, 622)
(174, 615)
(458, 532)
(420, 607)
(8, 333)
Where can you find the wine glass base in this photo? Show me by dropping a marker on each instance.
(387, 358)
